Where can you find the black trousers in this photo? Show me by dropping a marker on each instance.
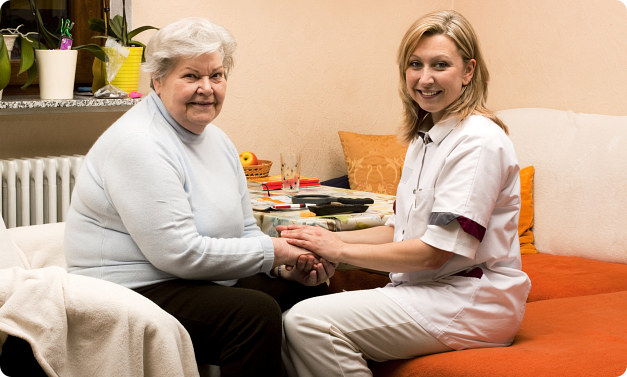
(17, 359)
(237, 328)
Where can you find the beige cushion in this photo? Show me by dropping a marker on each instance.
(580, 180)
(41, 244)
(10, 254)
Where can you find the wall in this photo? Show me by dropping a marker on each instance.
(304, 70)
(560, 54)
(51, 134)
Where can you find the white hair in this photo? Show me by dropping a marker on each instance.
(187, 38)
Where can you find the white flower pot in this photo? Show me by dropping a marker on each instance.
(9, 40)
(56, 69)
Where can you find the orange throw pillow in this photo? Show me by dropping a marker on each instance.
(525, 220)
(374, 162)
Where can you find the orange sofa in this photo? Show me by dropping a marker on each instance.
(575, 321)
(574, 325)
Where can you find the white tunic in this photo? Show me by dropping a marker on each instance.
(466, 169)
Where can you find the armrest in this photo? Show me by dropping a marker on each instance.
(42, 244)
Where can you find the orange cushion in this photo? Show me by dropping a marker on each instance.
(525, 220)
(552, 276)
(374, 162)
(577, 336)
(556, 276)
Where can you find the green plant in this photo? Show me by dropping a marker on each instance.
(27, 56)
(45, 40)
(117, 28)
(49, 41)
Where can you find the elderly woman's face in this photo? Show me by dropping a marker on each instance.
(436, 73)
(194, 90)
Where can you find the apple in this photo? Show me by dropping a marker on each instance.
(248, 159)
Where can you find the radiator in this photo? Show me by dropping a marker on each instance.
(37, 190)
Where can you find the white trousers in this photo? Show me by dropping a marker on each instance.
(335, 335)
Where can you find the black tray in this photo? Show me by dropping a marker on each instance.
(332, 209)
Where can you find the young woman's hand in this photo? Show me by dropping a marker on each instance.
(320, 241)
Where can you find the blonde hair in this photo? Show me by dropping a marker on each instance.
(472, 99)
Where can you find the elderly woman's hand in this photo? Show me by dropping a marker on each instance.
(310, 271)
(320, 241)
(286, 254)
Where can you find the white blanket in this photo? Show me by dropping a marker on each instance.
(80, 326)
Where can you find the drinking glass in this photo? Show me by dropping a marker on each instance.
(290, 172)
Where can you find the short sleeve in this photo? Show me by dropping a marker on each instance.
(451, 237)
(467, 189)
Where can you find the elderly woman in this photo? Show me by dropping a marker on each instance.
(161, 206)
(453, 242)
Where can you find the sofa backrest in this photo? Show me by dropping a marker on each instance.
(10, 253)
(42, 244)
(580, 183)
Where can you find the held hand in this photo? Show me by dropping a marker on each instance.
(287, 254)
(315, 239)
(317, 273)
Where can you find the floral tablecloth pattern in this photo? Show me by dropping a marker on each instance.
(376, 215)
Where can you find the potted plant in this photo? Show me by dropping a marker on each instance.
(127, 77)
(55, 67)
(27, 56)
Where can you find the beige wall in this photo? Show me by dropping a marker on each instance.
(51, 134)
(306, 69)
(560, 54)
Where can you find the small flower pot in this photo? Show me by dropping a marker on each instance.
(127, 77)
(56, 70)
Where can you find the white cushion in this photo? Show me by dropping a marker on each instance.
(580, 180)
(41, 244)
(10, 254)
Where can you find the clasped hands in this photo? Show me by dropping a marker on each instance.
(304, 250)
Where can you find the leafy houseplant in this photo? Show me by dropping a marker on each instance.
(45, 40)
(27, 57)
(116, 28)
(51, 42)
(55, 67)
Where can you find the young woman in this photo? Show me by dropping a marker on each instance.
(452, 244)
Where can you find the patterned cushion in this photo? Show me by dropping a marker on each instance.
(374, 162)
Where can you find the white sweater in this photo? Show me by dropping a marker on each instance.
(155, 202)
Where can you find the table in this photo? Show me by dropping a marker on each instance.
(376, 215)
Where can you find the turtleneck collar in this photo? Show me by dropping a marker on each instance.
(183, 133)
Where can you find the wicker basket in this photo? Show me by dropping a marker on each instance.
(258, 171)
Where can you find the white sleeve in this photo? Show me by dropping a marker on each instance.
(468, 186)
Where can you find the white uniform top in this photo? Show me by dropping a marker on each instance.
(466, 169)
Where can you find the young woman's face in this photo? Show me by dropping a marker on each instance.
(193, 91)
(436, 73)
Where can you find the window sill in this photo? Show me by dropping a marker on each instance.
(31, 104)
